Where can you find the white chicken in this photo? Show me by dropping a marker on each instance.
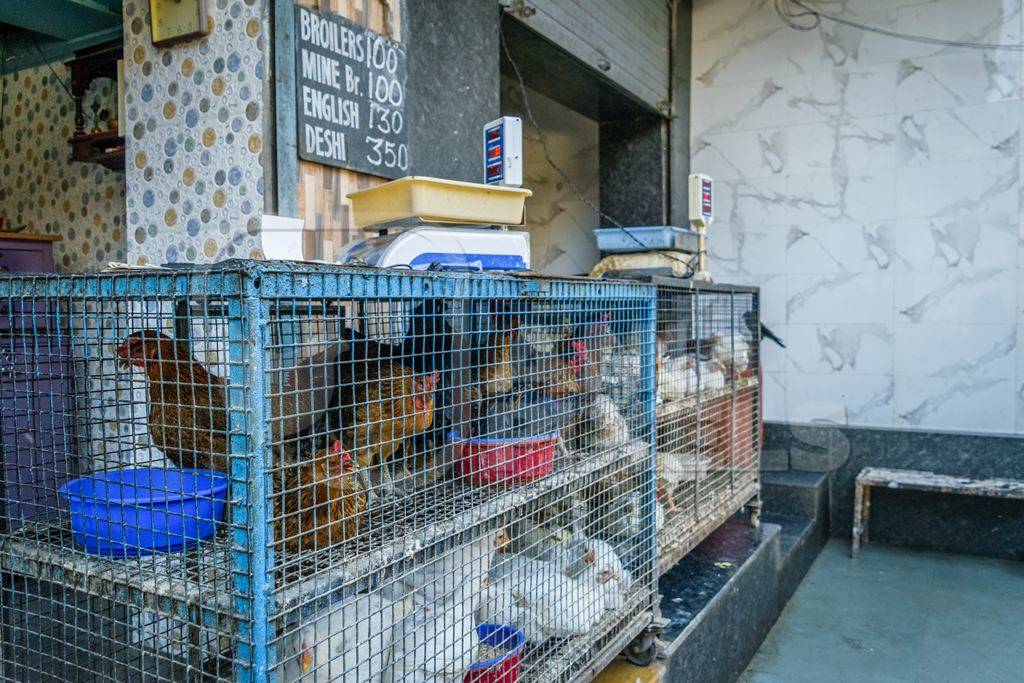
(437, 640)
(612, 578)
(350, 641)
(712, 377)
(608, 428)
(540, 600)
(615, 580)
(458, 571)
(732, 352)
(434, 644)
(677, 377)
(674, 469)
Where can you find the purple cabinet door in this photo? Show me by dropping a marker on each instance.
(36, 431)
(26, 256)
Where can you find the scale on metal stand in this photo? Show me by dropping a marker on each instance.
(423, 223)
(701, 213)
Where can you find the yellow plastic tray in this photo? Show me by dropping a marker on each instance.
(441, 201)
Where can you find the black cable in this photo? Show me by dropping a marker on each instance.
(690, 265)
(784, 9)
(46, 61)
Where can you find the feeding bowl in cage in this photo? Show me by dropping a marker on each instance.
(140, 511)
(506, 642)
(490, 461)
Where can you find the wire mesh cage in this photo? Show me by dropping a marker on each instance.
(259, 471)
(708, 410)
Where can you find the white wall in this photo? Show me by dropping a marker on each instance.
(871, 186)
(560, 225)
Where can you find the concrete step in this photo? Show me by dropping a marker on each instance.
(722, 599)
(793, 492)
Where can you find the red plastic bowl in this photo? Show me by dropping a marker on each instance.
(505, 667)
(490, 461)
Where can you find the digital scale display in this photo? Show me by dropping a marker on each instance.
(503, 152)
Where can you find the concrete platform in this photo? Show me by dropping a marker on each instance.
(898, 615)
(723, 598)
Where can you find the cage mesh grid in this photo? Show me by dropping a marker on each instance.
(407, 458)
(708, 410)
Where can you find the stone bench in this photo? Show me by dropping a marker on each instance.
(913, 480)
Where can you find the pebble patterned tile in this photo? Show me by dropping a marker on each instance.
(194, 128)
(45, 191)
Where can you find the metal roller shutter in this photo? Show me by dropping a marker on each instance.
(626, 41)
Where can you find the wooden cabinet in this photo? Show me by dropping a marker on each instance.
(36, 431)
(104, 147)
(22, 252)
(35, 392)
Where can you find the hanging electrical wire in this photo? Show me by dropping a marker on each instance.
(812, 20)
(35, 41)
(689, 264)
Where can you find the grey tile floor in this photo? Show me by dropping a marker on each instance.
(898, 615)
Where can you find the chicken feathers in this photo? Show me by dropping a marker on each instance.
(188, 416)
(382, 403)
(320, 503)
(188, 420)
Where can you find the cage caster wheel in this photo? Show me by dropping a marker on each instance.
(643, 650)
(754, 513)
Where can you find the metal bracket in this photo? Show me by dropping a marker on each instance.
(518, 8)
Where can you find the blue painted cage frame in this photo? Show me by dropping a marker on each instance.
(52, 314)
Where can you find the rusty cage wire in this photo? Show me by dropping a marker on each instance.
(269, 471)
(708, 410)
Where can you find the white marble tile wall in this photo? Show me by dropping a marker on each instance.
(872, 187)
(560, 225)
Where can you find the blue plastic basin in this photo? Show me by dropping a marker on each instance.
(644, 238)
(133, 512)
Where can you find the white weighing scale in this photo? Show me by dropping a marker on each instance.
(428, 223)
(425, 246)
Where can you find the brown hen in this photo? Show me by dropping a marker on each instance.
(382, 403)
(188, 418)
(188, 421)
(321, 502)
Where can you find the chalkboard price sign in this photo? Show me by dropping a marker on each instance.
(351, 95)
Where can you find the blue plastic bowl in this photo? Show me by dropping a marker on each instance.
(133, 512)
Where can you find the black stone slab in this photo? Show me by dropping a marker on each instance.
(453, 84)
(794, 492)
(630, 170)
(723, 598)
(722, 603)
(945, 522)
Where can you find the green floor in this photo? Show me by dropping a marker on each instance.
(898, 615)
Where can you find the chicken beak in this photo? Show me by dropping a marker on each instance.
(306, 660)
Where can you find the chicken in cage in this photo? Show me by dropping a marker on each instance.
(316, 473)
(707, 411)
